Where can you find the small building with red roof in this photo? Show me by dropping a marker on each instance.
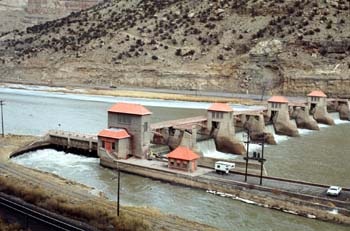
(114, 142)
(135, 119)
(183, 158)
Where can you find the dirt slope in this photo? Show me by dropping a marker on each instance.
(289, 47)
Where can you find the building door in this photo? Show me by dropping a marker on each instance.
(108, 147)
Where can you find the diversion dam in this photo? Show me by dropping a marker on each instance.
(283, 159)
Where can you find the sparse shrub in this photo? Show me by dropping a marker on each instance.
(323, 51)
(178, 52)
(329, 25)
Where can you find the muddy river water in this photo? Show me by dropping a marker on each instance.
(322, 157)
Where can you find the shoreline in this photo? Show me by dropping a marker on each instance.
(311, 207)
(195, 96)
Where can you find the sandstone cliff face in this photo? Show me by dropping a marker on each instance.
(289, 47)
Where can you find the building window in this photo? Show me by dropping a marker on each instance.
(113, 146)
(145, 127)
(218, 115)
(103, 144)
(276, 105)
(178, 164)
(315, 99)
(185, 164)
(172, 162)
(124, 119)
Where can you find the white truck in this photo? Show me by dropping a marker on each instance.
(222, 167)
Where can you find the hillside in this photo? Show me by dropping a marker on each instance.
(283, 46)
(19, 14)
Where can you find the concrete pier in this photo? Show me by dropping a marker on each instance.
(220, 125)
(300, 112)
(317, 105)
(342, 106)
(278, 114)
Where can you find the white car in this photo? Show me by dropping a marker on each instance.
(334, 190)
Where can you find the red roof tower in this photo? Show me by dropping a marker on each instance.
(129, 108)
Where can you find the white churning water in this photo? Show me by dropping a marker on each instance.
(278, 138)
(208, 148)
(337, 120)
(73, 163)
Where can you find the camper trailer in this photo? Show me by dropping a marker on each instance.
(222, 167)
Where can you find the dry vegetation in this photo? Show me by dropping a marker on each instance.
(5, 226)
(128, 30)
(12, 143)
(167, 38)
(88, 212)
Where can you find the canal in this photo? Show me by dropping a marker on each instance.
(321, 157)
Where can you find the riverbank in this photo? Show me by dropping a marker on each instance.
(147, 93)
(75, 200)
(278, 198)
(11, 143)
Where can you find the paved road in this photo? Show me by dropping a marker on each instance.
(286, 186)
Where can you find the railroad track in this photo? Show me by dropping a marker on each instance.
(40, 217)
(85, 197)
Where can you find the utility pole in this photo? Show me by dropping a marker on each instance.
(256, 156)
(118, 193)
(247, 156)
(2, 118)
(262, 160)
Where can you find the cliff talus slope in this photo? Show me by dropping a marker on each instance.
(289, 47)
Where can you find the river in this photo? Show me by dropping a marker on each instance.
(321, 157)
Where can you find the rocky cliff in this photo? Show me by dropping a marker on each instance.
(247, 46)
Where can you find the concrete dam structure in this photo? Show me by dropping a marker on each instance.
(130, 133)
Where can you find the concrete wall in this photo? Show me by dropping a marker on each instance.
(190, 166)
(270, 198)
